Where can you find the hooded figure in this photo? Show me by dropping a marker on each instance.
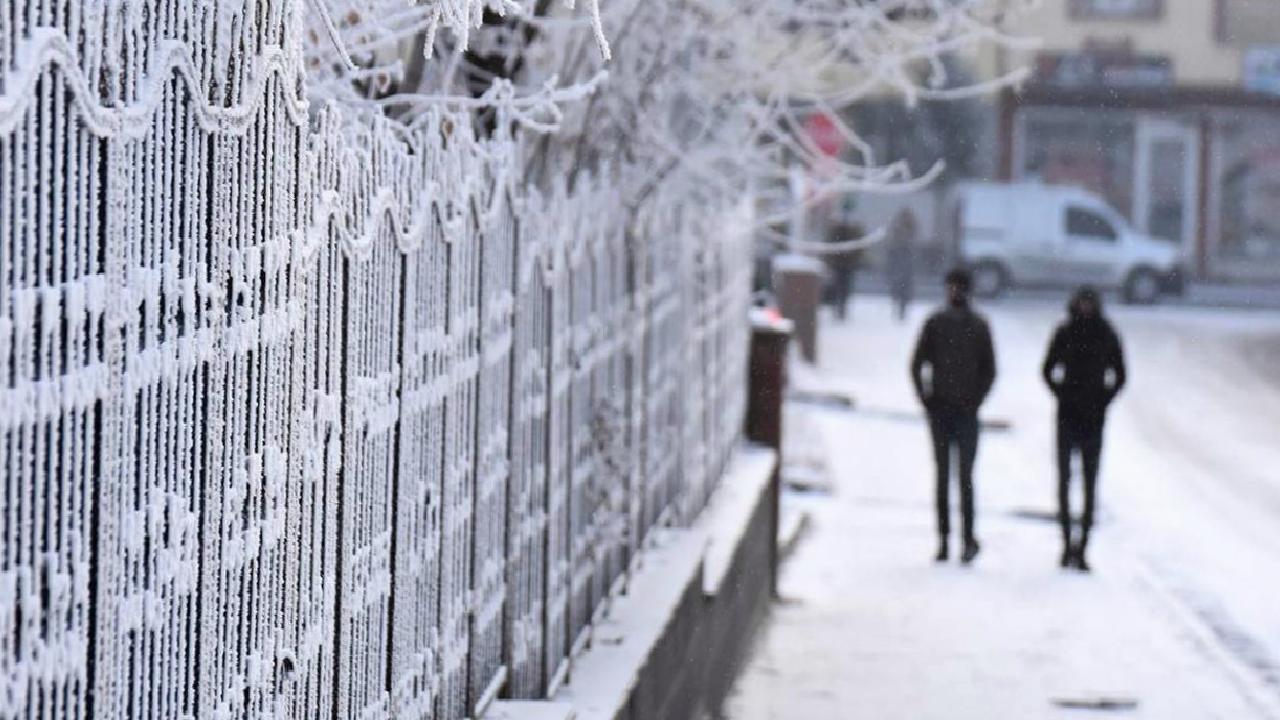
(1085, 370)
(955, 345)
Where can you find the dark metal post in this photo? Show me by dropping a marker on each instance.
(767, 377)
(1007, 107)
(767, 381)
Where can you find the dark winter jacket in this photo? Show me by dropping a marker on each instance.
(1087, 352)
(956, 345)
(850, 260)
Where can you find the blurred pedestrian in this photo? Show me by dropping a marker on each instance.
(842, 267)
(900, 260)
(955, 345)
(1085, 370)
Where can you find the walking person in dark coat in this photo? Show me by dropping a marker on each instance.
(1085, 370)
(955, 346)
(842, 268)
(900, 260)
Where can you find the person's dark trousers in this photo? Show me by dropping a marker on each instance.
(901, 297)
(1080, 433)
(840, 290)
(956, 429)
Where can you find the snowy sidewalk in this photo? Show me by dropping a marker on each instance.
(871, 628)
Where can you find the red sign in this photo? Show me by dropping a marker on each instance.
(822, 131)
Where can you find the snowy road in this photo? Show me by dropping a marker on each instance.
(1181, 617)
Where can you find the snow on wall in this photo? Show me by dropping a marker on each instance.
(307, 414)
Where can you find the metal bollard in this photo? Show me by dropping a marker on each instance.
(766, 386)
(767, 378)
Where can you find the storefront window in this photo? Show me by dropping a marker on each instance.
(1248, 177)
(1089, 151)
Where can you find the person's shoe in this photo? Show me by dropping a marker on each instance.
(1068, 557)
(943, 552)
(1081, 564)
(971, 548)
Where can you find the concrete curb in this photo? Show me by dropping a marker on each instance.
(671, 643)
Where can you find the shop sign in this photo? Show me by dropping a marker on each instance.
(1091, 69)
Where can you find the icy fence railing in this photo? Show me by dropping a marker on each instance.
(305, 414)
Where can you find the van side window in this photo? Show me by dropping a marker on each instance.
(1087, 224)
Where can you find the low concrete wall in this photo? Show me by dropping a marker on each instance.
(693, 666)
(671, 646)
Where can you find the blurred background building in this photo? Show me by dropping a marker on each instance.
(1166, 108)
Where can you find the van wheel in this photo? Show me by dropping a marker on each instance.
(990, 279)
(1142, 287)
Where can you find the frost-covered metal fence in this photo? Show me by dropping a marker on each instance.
(308, 414)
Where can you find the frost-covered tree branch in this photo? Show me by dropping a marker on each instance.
(707, 99)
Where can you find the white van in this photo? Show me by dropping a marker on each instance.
(1031, 234)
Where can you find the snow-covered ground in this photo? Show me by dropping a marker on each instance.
(1181, 616)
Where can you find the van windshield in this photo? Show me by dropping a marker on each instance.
(1089, 225)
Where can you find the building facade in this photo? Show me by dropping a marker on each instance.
(1169, 109)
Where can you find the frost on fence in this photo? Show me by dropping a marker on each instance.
(307, 414)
